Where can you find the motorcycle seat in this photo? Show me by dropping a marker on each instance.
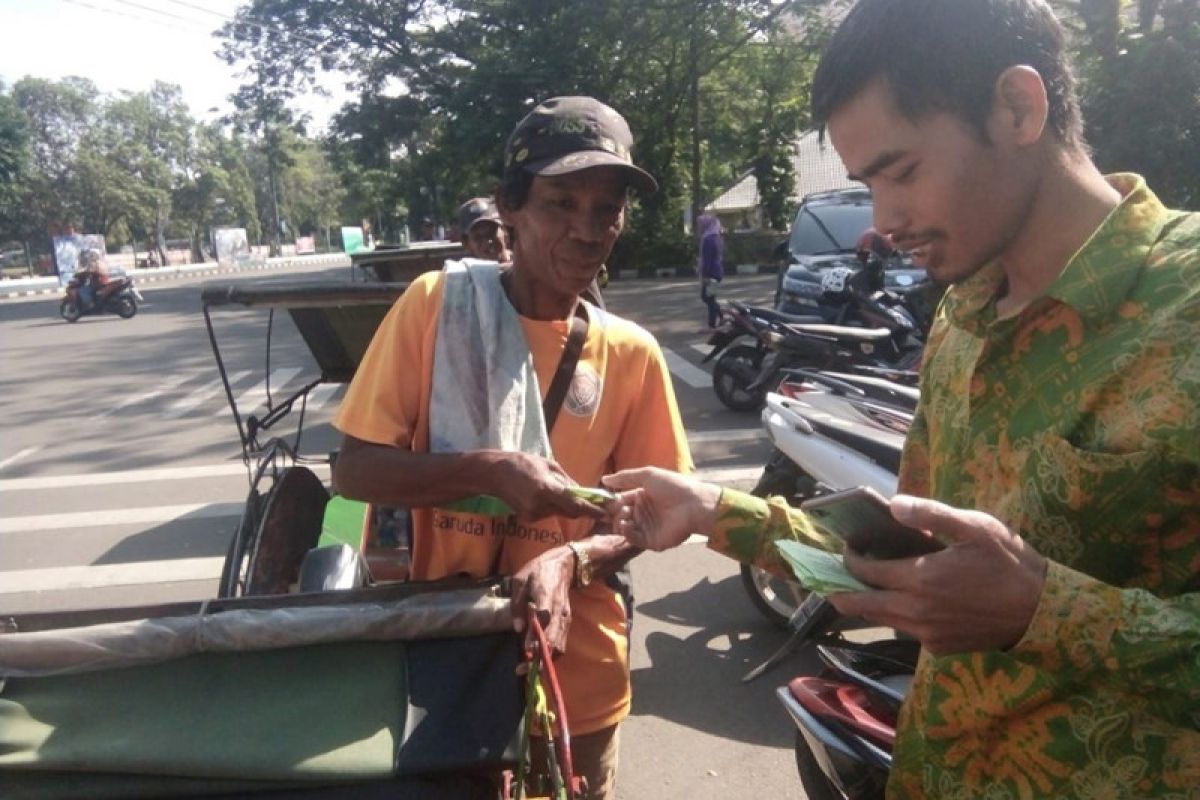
(842, 332)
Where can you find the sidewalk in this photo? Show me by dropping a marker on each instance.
(28, 287)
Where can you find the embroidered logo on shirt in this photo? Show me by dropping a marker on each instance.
(584, 395)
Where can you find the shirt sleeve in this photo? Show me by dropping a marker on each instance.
(1129, 639)
(383, 403)
(747, 528)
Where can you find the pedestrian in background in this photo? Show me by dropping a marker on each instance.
(712, 270)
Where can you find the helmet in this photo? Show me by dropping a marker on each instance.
(836, 280)
(90, 257)
(874, 243)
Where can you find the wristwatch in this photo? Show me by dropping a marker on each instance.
(583, 565)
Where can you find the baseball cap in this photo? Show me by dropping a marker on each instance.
(567, 134)
(477, 209)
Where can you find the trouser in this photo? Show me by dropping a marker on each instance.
(593, 755)
(708, 293)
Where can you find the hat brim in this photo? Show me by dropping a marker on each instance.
(493, 218)
(574, 162)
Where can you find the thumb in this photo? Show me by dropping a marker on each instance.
(947, 523)
(625, 479)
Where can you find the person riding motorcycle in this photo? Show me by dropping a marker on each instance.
(91, 276)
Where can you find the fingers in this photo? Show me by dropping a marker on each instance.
(949, 523)
(627, 479)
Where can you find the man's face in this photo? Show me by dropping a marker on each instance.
(487, 240)
(568, 225)
(951, 200)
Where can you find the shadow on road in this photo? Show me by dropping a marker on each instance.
(731, 640)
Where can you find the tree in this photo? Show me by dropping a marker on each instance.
(14, 165)
(1139, 66)
(442, 84)
(214, 188)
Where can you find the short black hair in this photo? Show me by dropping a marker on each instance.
(945, 56)
(514, 189)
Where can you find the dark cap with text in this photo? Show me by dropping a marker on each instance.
(567, 134)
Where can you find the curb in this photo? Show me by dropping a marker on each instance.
(191, 273)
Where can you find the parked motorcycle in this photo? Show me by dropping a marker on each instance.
(833, 431)
(854, 323)
(828, 431)
(846, 716)
(739, 361)
(117, 296)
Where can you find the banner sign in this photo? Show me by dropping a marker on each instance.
(233, 249)
(68, 248)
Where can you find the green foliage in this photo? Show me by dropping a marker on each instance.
(443, 83)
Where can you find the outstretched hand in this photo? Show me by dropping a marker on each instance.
(658, 509)
(535, 487)
(979, 593)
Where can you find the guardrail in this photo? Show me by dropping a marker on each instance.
(26, 287)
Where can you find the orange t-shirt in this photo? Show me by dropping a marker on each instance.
(619, 413)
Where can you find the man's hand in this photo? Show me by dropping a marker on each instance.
(980, 593)
(543, 585)
(535, 487)
(658, 509)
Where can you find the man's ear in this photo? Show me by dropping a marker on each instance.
(1020, 107)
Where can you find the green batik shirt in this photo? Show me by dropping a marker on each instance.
(1077, 423)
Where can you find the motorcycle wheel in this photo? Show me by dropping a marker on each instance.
(70, 311)
(734, 371)
(775, 598)
(126, 307)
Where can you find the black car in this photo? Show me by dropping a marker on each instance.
(823, 237)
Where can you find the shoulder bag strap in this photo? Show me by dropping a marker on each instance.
(553, 401)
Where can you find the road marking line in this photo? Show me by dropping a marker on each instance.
(685, 370)
(134, 476)
(732, 435)
(728, 475)
(321, 395)
(256, 395)
(703, 349)
(186, 404)
(97, 576)
(162, 388)
(121, 516)
(15, 457)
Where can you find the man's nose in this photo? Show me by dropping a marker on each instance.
(591, 227)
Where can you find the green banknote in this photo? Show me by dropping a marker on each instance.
(819, 571)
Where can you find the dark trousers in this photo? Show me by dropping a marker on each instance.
(709, 295)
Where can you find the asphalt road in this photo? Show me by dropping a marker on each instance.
(121, 483)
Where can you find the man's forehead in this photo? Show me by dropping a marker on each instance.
(605, 177)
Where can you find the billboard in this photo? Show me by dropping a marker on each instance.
(353, 240)
(306, 245)
(67, 250)
(233, 248)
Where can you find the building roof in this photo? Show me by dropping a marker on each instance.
(817, 168)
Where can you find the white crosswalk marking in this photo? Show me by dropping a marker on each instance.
(321, 395)
(124, 516)
(162, 388)
(186, 404)
(255, 396)
(685, 370)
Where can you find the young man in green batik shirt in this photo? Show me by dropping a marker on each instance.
(1056, 448)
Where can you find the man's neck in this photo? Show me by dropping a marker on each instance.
(532, 300)
(1073, 200)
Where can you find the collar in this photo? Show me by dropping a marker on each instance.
(1097, 278)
